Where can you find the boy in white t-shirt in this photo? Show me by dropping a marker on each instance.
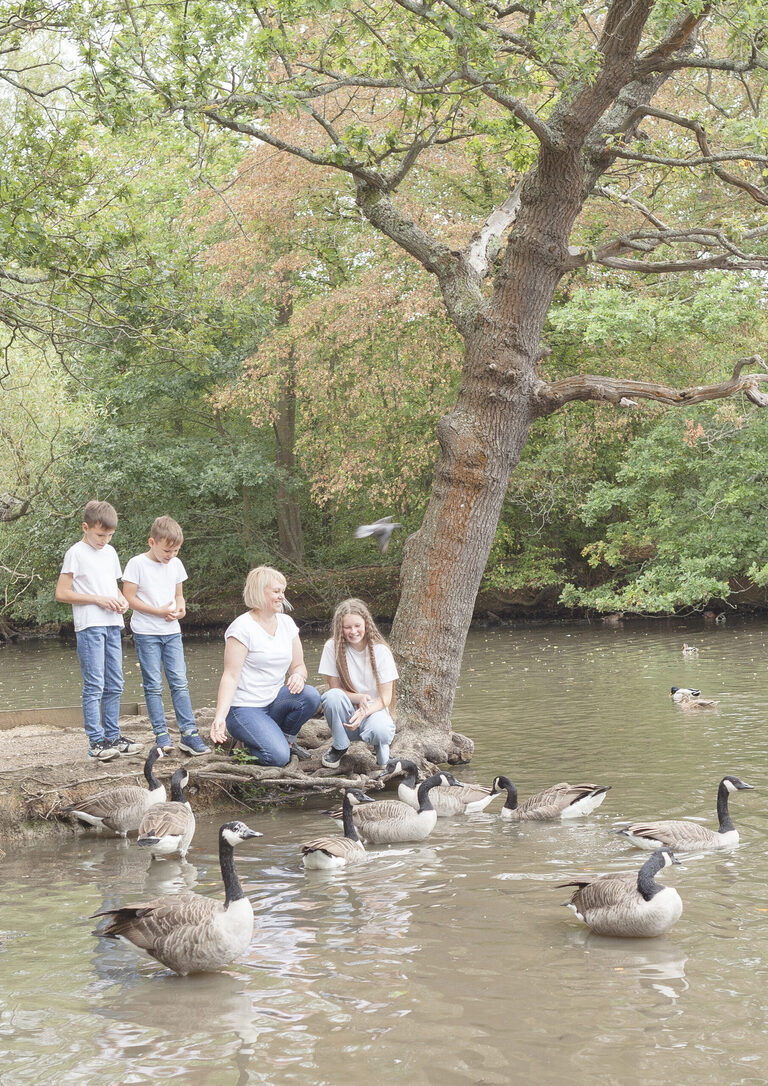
(152, 583)
(88, 581)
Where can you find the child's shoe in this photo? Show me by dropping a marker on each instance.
(193, 744)
(102, 751)
(123, 745)
(164, 742)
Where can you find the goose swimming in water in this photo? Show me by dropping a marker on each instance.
(628, 904)
(390, 821)
(560, 801)
(121, 809)
(190, 933)
(448, 799)
(683, 836)
(330, 853)
(169, 827)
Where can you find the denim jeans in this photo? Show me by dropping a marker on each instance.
(268, 731)
(100, 651)
(158, 653)
(378, 728)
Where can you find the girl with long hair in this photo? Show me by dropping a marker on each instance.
(359, 669)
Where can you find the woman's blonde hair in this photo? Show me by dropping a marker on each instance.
(373, 637)
(256, 584)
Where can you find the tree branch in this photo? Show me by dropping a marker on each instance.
(485, 244)
(552, 396)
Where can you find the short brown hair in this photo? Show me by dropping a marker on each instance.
(100, 513)
(166, 528)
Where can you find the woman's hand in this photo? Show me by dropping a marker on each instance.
(218, 730)
(296, 682)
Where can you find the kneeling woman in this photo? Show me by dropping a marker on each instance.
(358, 666)
(257, 704)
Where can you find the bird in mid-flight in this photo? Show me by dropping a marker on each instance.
(381, 530)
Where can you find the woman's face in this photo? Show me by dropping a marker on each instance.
(274, 595)
(353, 630)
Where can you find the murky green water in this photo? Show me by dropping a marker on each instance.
(450, 962)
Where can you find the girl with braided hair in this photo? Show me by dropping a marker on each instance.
(359, 669)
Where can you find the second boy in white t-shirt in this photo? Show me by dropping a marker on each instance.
(152, 584)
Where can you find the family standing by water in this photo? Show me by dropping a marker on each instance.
(264, 698)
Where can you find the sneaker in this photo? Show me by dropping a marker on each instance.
(332, 758)
(123, 745)
(102, 751)
(193, 744)
(300, 752)
(164, 742)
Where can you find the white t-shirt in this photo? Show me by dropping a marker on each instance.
(156, 585)
(94, 572)
(268, 659)
(359, 667)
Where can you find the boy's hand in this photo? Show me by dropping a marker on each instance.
(113, 603)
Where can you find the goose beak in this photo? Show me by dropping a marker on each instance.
(251, 833)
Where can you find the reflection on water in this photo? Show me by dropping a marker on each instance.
(448, 962)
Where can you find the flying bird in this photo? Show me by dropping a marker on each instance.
(381, 530)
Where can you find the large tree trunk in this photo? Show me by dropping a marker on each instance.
(481, 441)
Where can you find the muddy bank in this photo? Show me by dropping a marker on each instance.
(43, 769)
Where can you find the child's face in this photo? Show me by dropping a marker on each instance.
(162, 550)
(96, 535)
(353, 630)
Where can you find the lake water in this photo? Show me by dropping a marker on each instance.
(452, 961)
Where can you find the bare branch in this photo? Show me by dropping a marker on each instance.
(552, 396)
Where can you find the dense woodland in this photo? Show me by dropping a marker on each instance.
(208, 309)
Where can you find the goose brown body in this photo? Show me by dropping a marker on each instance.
(121, 809)
(169, 827)
(628, 904)
(561, 800)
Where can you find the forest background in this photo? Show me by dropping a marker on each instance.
(258, 362)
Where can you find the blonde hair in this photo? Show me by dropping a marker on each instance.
(101, 513)
(373, 637)
(166, 529)
(254, 593)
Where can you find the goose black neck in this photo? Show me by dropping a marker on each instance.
(149, 770)
(177, 790)
(646, 883)
(425, 803)
(509, 788)
(348, 821)
(723, 814)
(233, 891)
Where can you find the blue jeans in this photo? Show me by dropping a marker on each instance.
(100, 651)
(158, 653)
(378, 728)
(268, 731)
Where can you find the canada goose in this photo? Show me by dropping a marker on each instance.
(627, 903)
(390, 821)
(169, 827)
(190, 933)
(678, 693)
(560, 801)
(689, 650)
(684, 836)
(122, 808)
(447, 799)
(328, 853)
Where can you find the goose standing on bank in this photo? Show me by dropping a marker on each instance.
(169, 827)
(330, 853)
(121, 809)
(190, 933)
(628, 904)
(448, 799)
(390, 821)
(683, 836)
(560, 801)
